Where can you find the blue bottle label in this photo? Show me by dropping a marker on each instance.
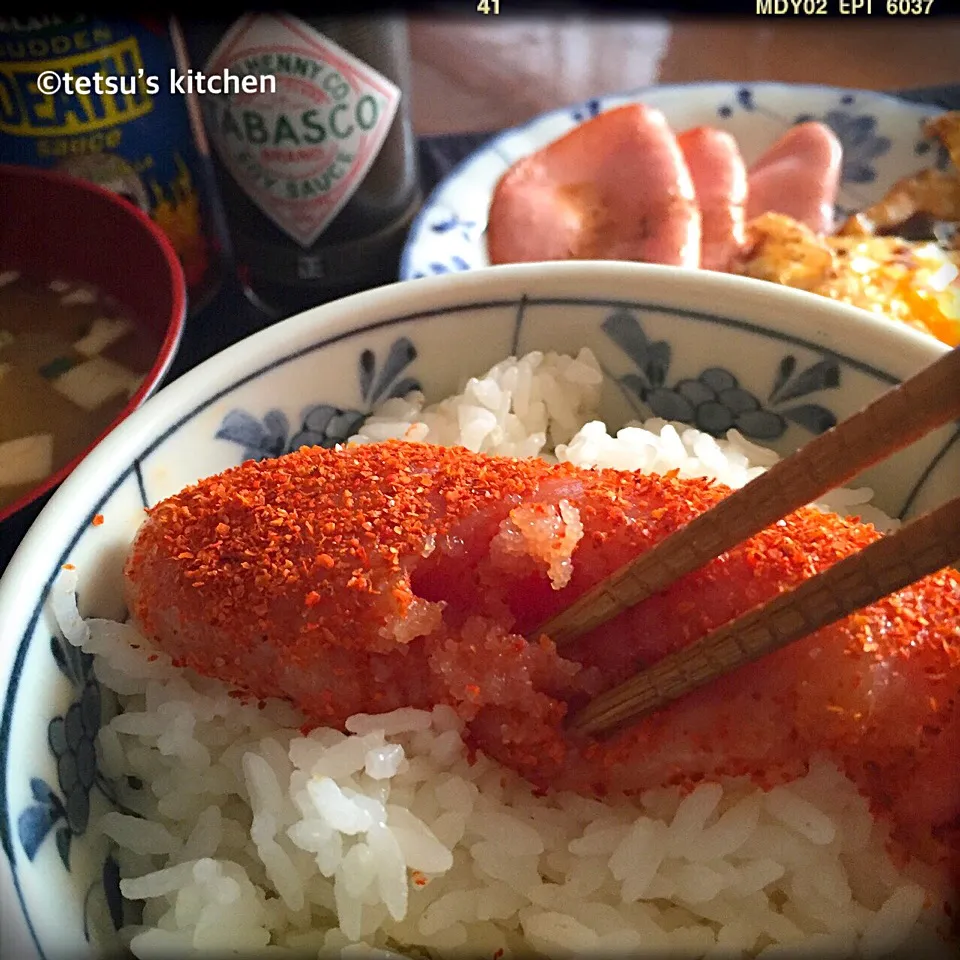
(93, 98)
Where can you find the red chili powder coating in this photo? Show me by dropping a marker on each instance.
(362, 580)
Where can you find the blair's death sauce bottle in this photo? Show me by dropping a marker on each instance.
(316, 159)
(127, 130)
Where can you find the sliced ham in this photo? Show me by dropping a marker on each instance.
(720, 181)
(614, 188)
(799, 176)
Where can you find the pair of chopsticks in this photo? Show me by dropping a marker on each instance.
(924, 546)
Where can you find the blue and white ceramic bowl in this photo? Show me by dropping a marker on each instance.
(882, 140)
(783, 365)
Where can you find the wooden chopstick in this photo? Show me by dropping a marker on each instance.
(893, 421)
(889, 564)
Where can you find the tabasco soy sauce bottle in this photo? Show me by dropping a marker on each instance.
(316, 159)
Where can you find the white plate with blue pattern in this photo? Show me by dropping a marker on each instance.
(882, 139)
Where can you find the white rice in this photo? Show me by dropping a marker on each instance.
(546, 405)
(386, 841)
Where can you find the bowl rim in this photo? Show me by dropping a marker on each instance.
(416, 227)
(50, 539)
(172, 335)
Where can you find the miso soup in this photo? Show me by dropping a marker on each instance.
(70, 360)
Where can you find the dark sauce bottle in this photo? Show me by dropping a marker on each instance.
(314, 152)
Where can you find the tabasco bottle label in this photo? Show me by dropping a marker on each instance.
(300, 151)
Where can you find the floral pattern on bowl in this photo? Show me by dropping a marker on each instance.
(714, 401)
(882, 139)
(65, 810)
(323, 424)
(779, 368)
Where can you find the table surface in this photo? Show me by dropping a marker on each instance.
(486, 73)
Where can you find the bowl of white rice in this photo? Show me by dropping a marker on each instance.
(143, 810)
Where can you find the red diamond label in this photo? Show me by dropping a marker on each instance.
(299, 153)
